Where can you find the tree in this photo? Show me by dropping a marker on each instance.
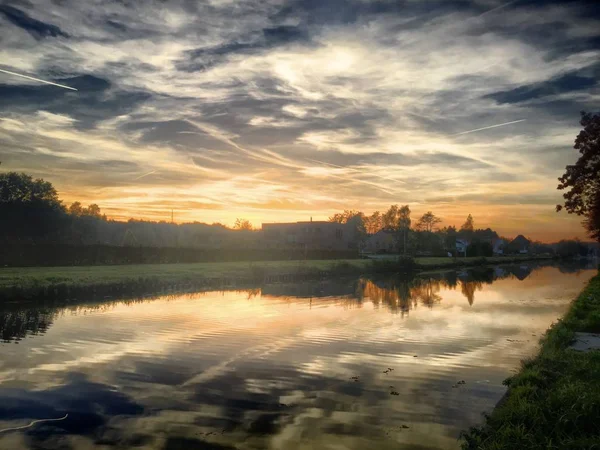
(390, 218)
(404, 224)
(583, 178)
(374, 222)
(28, 208)
(243, 224)
(469, 225)
(76, 209)
(345, 216)
(21, 188)
(450, 234)
(356, 219)
(93, 211)
(427, 222)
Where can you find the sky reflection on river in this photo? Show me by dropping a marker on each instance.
(286, 366)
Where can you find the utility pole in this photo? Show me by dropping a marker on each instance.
(171, 216)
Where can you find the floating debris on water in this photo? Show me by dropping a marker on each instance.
(395, 393)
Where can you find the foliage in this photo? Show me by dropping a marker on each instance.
(22, 188)
(554, 401)
(355, 218)
(28, 208)
(571, 248)
(582, 179)
(373, 223)
(469, 224)
(428, 222)
(480, 248)
(243, 224)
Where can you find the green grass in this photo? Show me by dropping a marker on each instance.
(32, 282)
(554, 401)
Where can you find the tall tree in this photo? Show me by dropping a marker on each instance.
(428, 221)
(582, 179)
(374, 222)
(28, 208)
(76, 209)
(390, 218)
(93, 211)
(404, 224)
(469, 224)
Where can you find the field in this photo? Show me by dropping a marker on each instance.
(43, 277)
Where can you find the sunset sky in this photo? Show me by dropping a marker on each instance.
(282, 110)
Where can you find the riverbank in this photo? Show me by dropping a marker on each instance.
(554, 401)
(31, 283)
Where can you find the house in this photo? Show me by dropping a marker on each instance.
(520, 244)
(461, 246)
(318, 235)
(498, 246)
(384, 241)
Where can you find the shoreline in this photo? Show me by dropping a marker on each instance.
(554, 400)
(72, 283)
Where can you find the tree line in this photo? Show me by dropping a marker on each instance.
(424, 237)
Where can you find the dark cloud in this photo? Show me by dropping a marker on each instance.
(268, 38)
(95, 99)
(36, 28)
(345, 12)
(566, 83)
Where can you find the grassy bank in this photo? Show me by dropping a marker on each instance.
(554, 401)
(44, 282)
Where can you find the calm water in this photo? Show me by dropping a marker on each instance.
(303, 366)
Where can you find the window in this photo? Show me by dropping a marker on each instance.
(338, 234)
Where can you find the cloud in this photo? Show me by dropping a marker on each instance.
(563, 84)
(224, 98)
(36, 28)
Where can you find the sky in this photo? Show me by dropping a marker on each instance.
(283, 110)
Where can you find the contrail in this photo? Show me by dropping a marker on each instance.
(33, 423)
(357, 170)
(496, 8)
(145, 175)
(487, 128)
(37, 79)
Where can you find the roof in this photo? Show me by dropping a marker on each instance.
(520, 240)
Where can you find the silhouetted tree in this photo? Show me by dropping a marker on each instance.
(469, 224)
(427, 222)
(583, 178)
(243, 224)
(404, 224)
(450, 235)
(76, 209)
(391, 218)
(93, 211)
(374, 222)
(28, 208)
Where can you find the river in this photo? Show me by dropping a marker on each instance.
(333, 364)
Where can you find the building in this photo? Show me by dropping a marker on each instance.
(498, 246)
(384, 241)
(520, 244)
(311, 235)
